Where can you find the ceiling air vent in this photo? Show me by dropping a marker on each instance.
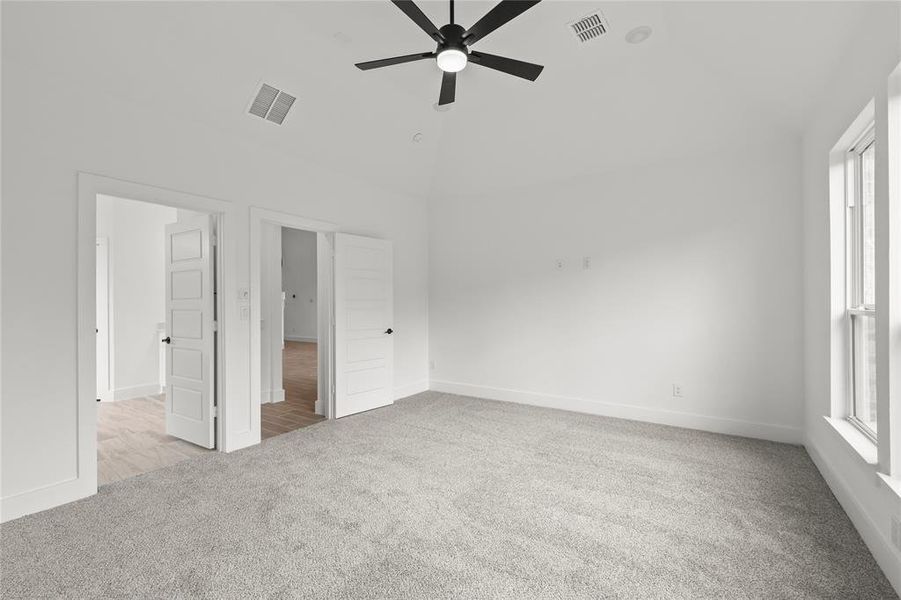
(271, 104)
(591, 27)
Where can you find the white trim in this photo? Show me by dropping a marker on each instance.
(48, 496)
(887, 558)
(272, 396)
(325, 324)
(136, 391)
(300, 338)
(889, 394)
(410, 389)
(764, 431)
(324, 283)
(861, 443)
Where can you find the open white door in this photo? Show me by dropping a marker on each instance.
(190, 385)
(364, 311)
(104, 372)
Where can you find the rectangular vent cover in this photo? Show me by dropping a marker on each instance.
(271, 104)
(591, 27)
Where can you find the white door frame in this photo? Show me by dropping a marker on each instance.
(89, 187)
(326, 329)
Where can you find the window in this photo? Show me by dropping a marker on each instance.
(861, 253)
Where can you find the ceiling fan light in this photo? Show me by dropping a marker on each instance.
(451, 60)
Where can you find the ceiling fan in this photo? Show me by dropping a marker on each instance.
(453, 51)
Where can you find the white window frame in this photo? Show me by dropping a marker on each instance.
(856, 307)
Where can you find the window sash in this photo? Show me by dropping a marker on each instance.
(861, 314)
(863, 372)
(854, 177)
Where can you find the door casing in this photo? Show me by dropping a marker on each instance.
(89, 187)
(325, 274)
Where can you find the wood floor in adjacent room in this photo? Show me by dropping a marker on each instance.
(131, 439)
(299, 372)
(131, 434)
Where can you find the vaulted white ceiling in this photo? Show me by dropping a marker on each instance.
(711, 75)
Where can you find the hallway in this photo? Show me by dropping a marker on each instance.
(299, 377)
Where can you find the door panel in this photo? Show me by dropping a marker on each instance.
(104, 356)
(364, 314)
(190, 354)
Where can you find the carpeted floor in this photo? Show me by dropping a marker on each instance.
(443, 496)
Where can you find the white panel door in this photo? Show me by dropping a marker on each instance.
(190, 360)
(104, 371)
(364, 311)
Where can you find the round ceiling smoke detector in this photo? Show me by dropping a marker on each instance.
(639, 34)
(417, 137)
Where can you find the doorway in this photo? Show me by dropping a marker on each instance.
(155, 336)
(289, 330)
(354, 314)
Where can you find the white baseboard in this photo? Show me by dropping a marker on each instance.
(764, 431)
(410, 389)
(873, 536)
(272, 396)
(43, 498)
(300, 338)
(137, 391)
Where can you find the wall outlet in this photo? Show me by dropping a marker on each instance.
(896, 533)
(586, 263)
(558, 264)
(677, 390)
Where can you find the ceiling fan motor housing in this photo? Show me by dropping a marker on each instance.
(453, 38)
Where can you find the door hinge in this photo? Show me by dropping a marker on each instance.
(215, 326)
(215, 411)
(214, 240)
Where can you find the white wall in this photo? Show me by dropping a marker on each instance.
(299, 283)
(859, 78)
(47, 141)
(695, 279)
(137, 255)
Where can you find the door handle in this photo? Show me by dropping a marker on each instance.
(167, 339)
(389, 331)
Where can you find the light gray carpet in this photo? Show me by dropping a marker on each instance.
(443, 496)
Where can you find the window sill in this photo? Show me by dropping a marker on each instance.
(891, 483)
(862, 445)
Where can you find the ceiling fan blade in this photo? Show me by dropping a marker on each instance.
(507, 65)
(411, 10)
(387, 62)
(448, 88)
(504, 12)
